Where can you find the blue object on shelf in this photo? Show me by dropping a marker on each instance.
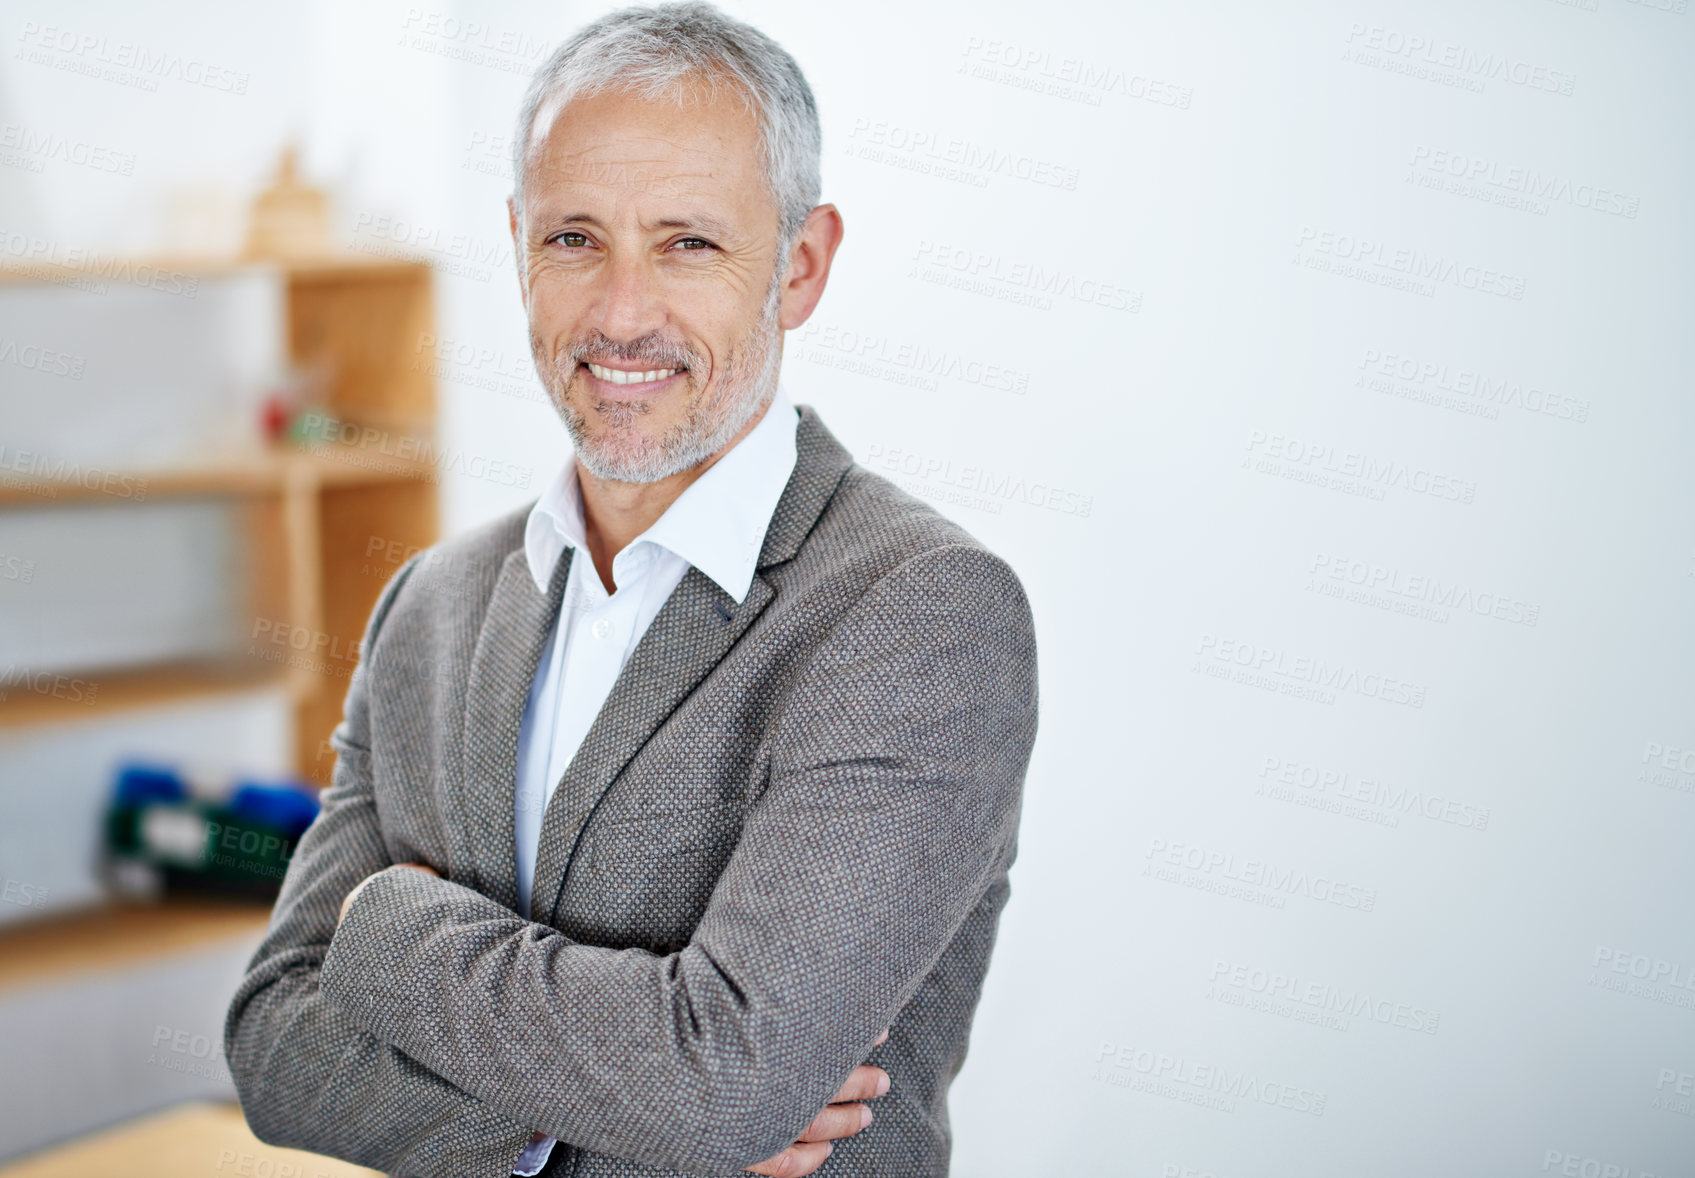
(282, 807)
(229, 838)
(138, 785)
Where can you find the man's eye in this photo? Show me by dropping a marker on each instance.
(695, 243)
(571, 238)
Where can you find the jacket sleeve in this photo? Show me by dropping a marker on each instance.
(307, 1075)
(896, 782)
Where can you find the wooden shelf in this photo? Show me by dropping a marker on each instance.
(322, 526)
(117, 935)
(198, 1140)
(98, 266)
(261, 472)
(66, 697)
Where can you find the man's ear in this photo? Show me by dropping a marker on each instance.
(517, 251)
(809, 265)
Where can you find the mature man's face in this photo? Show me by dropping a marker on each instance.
(647, 252)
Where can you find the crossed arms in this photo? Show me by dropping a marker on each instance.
(435, 1027)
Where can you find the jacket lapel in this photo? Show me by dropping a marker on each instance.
(514, 634)
(693, 631)
(820, 463)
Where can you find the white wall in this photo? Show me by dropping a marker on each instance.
(1485, 412)
(97, 1050)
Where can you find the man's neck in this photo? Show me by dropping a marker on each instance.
(615, 513)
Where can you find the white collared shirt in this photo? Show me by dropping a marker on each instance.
(716, 525)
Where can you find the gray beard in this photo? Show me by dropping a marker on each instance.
(745, 388)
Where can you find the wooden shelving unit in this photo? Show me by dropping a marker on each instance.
(200, 1140)
(310, 516)
(117, 935)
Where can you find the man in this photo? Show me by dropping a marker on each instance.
(672, 816)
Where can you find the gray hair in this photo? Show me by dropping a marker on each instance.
(653, 51)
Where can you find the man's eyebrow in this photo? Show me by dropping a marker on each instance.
(701, 222)
(710, 226)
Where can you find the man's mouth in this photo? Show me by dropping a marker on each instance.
(620, 376)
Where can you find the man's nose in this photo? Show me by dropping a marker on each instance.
(629, 305)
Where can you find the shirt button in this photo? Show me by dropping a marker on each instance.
(602, 628)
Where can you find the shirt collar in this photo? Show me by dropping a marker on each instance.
(717, 524)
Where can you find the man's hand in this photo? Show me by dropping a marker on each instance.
(840, 1118)
(346, 903)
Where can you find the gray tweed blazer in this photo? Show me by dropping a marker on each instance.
(788, 828)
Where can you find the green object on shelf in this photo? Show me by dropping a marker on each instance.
(156, 831)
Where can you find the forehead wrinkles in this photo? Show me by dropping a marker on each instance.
(650, 152)
(605, 170)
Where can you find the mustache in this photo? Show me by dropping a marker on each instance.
(650, 350)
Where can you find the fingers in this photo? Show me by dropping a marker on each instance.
(863, 1083)
(837, 1120)
(842, 1117)
(802, 1157)
(883, 1038)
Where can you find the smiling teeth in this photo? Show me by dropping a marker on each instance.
(618, 376)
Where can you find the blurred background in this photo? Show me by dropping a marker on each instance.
(1322, 368)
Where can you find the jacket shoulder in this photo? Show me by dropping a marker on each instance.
(488, 544)
(871, 528)
(871, 519)
(482, 548)
(460, 572)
